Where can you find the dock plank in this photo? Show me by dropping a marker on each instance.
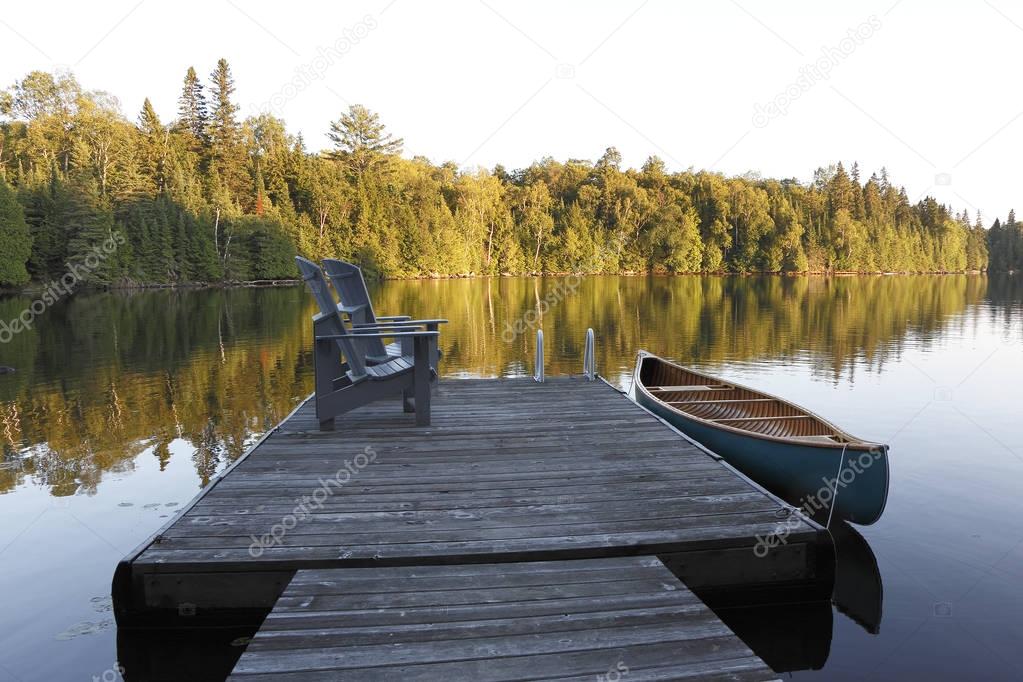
(513, 621)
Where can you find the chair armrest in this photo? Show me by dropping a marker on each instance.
(386, 328)
(419, 323)
(383, 335)
(394, 318)
(437, 321)
(360, 329)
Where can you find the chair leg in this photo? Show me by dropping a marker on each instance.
(406, 400)
(326, 362)
(421, 381)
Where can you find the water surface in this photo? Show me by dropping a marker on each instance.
(125, 404)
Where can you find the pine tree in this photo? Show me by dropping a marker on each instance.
(15, 240)
(227, 155)
(192, 112)
(1012, 248)
(154, 147)
(841, 191)
(93, 251)
(996, 247)
(223, 124)
(55, 212)
(976, 245)
(361, 141)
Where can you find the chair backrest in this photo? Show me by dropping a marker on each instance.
(332, 320)
(350, 286)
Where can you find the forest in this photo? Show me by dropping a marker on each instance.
(210, 197)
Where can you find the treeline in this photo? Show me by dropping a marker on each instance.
(209, 197)
(1005, 244)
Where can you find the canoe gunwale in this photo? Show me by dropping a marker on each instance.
(853, 443)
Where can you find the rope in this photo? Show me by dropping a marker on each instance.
(834, 498)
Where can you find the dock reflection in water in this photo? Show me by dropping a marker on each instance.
(788, 633)
(792, 631)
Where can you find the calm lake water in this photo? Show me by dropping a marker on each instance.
(125, 404)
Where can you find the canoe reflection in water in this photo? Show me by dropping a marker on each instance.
(792, 631)
(858, 589)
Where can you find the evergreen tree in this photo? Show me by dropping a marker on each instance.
(360, 141)
(996, 247)
(15, 241)
(192, 112)
(93, 252)
(155, 148)
(976, 246)
(223, 123)
(227, 155)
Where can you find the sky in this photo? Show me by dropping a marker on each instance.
(927, 89)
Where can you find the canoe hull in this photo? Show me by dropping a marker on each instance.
(804, 475)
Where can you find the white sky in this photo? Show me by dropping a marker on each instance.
(933, 93)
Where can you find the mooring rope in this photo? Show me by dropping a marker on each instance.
(834, 498)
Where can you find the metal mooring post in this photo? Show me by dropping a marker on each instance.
(538, 365)
(589, 357)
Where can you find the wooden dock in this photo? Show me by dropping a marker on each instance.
(509, 471)
(617, 618)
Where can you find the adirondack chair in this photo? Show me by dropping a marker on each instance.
(351, 288)
(341, 386)
(330, 320)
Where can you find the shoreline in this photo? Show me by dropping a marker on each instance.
(36, 287)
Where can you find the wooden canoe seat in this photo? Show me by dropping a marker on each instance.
(819, 439)
(678, 389)
(762, 419)
(720, 402)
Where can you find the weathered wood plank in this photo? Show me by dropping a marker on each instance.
(450, 500)
(687, 510)
(696, 615)
(506, 621)
(621, 542)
